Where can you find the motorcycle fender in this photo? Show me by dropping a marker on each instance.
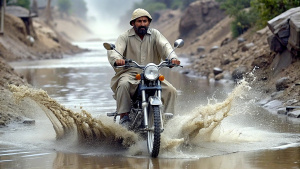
(155, 101)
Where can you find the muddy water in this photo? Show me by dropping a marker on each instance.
(218, 125)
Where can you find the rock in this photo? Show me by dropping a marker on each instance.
(200, 49)
(240, 40)
(219, 76)
(202, 56)
(292, 101)
(225, 41)
(273, 105)
(275, 44)
(290, 108)
(295, 114)
(247, 46)
(263, 31)
(226, 61)
(199, 17)
(282, 111)
(29, 121)
(239, 72)
(264, 101)
(282, 83)
(294, 39)
(276, 23)
(217, 71)
(213, 48)
(277, 94)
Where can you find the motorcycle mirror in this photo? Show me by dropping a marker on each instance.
(178, 43)
(109, 46)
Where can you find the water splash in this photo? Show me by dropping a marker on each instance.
(200, 123)
(185, 129)
(66, 122)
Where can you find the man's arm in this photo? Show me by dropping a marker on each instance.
(165, 48)
(114, 58)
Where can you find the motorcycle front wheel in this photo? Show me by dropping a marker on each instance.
(153, 134)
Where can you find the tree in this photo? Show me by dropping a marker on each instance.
(48, 12)
(64, 6)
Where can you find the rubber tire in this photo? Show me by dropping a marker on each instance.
(153, 137)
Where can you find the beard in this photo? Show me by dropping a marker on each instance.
(142, 30)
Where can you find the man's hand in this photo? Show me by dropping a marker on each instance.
(175, 62)
(120, 62)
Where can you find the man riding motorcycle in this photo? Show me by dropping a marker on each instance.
(143, 45)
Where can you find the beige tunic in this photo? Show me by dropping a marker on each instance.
(152, 49)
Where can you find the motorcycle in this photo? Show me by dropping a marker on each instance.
(146, 116)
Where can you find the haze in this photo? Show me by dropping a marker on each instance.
(104, 16)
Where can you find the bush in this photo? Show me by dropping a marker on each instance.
(242, 22)
(153, 7)
(243, 18)
(268, 9)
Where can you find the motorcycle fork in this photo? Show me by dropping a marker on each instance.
(145, 107)
(160, 112)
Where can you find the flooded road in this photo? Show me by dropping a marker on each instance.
(249, 137)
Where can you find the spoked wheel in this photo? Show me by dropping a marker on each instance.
(153, 135)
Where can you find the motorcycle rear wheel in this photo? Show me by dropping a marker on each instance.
(153, 135)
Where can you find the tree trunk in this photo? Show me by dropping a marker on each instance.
(48, 12)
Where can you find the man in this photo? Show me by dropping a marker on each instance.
(143, 45)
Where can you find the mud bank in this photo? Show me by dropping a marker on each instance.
(19, 44)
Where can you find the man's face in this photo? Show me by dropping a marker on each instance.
(141, 25)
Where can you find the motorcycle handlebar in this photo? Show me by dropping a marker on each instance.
(130, 63)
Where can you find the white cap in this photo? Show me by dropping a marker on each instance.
(139, 12)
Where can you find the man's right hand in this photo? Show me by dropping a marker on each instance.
(120, 62)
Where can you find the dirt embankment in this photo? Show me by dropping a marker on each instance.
(215, 54)
(18, 43)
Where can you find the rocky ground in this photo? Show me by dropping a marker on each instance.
(213, 54)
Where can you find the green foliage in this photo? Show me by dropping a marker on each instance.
(233, 7)
(150, 6)
(155, 5)
(64, 6)
(22, 3)
(243, 17)
(268, 9)
(242, 22)
(177, 4)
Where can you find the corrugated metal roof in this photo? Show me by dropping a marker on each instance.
(19, 11)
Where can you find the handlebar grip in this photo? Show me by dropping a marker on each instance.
(128, 61)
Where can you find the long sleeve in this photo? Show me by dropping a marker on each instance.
(120, 47)
(164, 47)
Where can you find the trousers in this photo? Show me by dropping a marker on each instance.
(126, 89)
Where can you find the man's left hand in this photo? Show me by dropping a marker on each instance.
(175, 61)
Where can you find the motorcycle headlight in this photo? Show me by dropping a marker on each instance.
(151, 72)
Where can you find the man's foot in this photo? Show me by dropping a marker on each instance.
(124, 121)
